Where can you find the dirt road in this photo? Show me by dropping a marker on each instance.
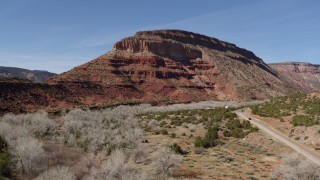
(281, 137)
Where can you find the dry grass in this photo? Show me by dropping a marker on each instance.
(236, 159)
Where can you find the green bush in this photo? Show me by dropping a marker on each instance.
(246, 124)
(164, 132)
(173, 135)
(3, 144)
(237, 129)
(177, 149)
(280, 106)
(198, 142)
(4, 158)
(4, 164)
(234, 124)
(303, 120)
(210, 139)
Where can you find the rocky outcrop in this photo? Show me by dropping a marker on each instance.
(35, 75)
(180, 66)
(303, 75)
(166, 66)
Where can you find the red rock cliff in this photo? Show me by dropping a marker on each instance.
(180, 66)
(164, 66)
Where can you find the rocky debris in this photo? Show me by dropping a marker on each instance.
(303, 75)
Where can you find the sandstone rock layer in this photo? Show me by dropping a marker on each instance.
(164, 66)
(180, 66)
(303, 75)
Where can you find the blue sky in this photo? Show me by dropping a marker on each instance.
(57, 35)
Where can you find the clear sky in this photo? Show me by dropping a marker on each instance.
(57, 35)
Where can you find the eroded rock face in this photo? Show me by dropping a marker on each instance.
(167, 66)
(303, 75)
(180, 66)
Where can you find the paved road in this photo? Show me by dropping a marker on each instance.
(282, 138)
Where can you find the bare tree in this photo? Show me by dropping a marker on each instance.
(164, 160)
(295, 167)
(57, 173)
(86, 167)
(37, 123)
(117, 168)
(27, 152)
(96, 131)
(139, 152)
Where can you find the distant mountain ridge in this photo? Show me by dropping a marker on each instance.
(33, 75)
(302, 74)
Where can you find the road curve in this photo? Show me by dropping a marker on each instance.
(282, 138)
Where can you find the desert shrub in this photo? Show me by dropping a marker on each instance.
(246, 124)
(312, 106)
(177, 149)
(180, 117)
(295, 167)
(116, 167)
(234, 124)
(4, 158)
(164, 160)
(173, 135)
(234, 128)
(162, 124)
(63, 173)
(164, 132)
(210, 139)
(200, 150)
(139, 152)
(303, 120)
(287, 105)
(153, 123)
(86, 168)
(4, 164)
(237, 133)
(198, 142)
(3, 145)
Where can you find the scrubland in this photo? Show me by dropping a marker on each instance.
(198, 140)
(297, 115)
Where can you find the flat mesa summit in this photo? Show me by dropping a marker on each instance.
(179, 66)
(163, 66)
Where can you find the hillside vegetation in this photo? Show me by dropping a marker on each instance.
(214, 120)
(305, 109)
